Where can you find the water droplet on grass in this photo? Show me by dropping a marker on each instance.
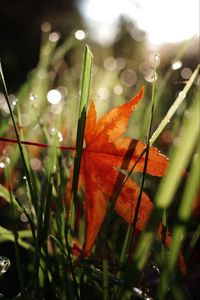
(54, 131)
(80, 35)
(4, 264)
(110, 63)
(23, 218)
(182, 94)
(157, 59)
(150, 76)
(54, 37)
(128, 77)
(137, 291)
(176, 65)
(54, 96)
(186, 73)
(46, 27)
(103, 93)
(35, 164)
(32, 97)
(118, 89)
(4, 161)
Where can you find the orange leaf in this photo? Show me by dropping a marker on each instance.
(106, 152)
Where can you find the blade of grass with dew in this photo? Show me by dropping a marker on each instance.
(166, 78)
(15, 234)
(153, 138)
(24, 161)
(179, 231)
(179, 160)
(131, 228)
(85, 88)
(175, 106)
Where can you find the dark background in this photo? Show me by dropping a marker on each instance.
(20, 32)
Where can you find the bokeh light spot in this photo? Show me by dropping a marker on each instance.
(54, 96)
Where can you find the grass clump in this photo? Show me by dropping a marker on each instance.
(44, 231)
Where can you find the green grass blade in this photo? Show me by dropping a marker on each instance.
(180, 157)
(15, 234)
(193, 242)
(179, 161)
(24, 160)
(85, 88)
(4, 193)
(179, 232)
(153, 138)
(105, 280)
(7, 235)
(131, 231)
(175, 106)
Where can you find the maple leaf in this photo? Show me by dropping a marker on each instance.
(107, 151)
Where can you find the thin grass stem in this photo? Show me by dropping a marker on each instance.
(16, 236)
(85, 88)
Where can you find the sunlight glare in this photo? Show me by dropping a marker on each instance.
(163, 21)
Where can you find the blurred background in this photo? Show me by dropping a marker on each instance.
(133, 29)
(41, 51)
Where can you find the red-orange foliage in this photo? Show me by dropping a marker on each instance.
(107, 151)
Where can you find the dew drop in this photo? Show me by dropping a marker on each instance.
(60, 137)
(176, 65)
(54, 37)
(150, 76)
(4, 161)
(80, 35)
(110, 63)
(157, 59)
(32, 97)
(137, 291)
(23, 218)
(14, 103)
(186, 73)
(54, 96)
(103, 93)
(128, 77)
(4, 264)
(54, 131)
(13, 100)
(182, 94)
(156, 268)
(35, 164)
(118, 89)
(46, 27)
